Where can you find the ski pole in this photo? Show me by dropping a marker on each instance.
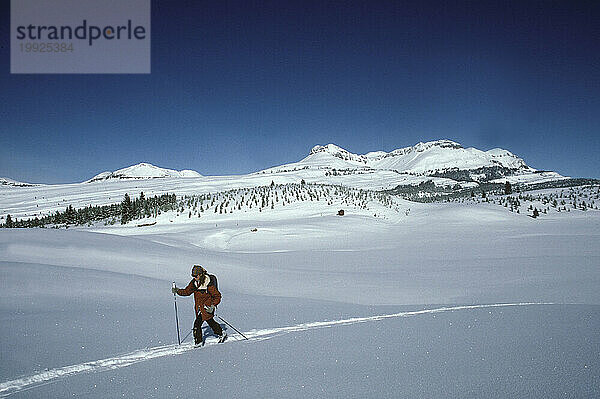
(176, 317)
(238, 331)
(188, 334)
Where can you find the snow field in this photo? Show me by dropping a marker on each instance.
(24, 383)
(336, 306)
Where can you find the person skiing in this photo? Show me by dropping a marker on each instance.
(206, 298)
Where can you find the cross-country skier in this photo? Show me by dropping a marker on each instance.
(206, 298)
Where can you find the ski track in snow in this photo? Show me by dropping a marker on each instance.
(24, 383)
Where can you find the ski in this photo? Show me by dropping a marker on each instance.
(220, 340)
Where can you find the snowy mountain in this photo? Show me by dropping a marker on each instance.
(445, 154)
(443, 161)
(143, 171)
(422, 158)
(420, 172)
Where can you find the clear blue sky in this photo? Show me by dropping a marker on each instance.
(241, 86)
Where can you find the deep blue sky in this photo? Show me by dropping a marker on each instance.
(241, 86)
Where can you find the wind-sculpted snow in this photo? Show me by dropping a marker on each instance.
(28, 382)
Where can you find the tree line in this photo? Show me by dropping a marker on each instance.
(125, 211)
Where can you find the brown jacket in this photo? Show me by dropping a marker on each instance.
(204, 295)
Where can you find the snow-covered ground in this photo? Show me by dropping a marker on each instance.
(26, 202)
(417, 300)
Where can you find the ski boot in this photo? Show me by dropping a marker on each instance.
(198, 341)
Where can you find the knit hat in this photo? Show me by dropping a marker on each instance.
(197, 270)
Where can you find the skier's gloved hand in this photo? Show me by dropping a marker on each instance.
(174, 290)
(210, 309)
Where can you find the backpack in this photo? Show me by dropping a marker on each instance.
(213, 281)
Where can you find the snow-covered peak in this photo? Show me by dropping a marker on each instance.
(420, 147)
(341, 153)
(143, 171)
(4, 181)
(506, 158)
(338, 152)
(429, 145)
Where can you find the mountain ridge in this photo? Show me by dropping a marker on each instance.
(422, 158)
(443, 161)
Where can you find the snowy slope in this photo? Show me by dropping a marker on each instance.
(328, 164)
(253, 336)
(430, 304)
(25, 202)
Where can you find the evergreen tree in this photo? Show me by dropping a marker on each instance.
(70, 216)
(143, 209)
(9, 222)
(507, 188)
(126, 209)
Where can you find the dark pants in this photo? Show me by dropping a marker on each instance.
(198, 328)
